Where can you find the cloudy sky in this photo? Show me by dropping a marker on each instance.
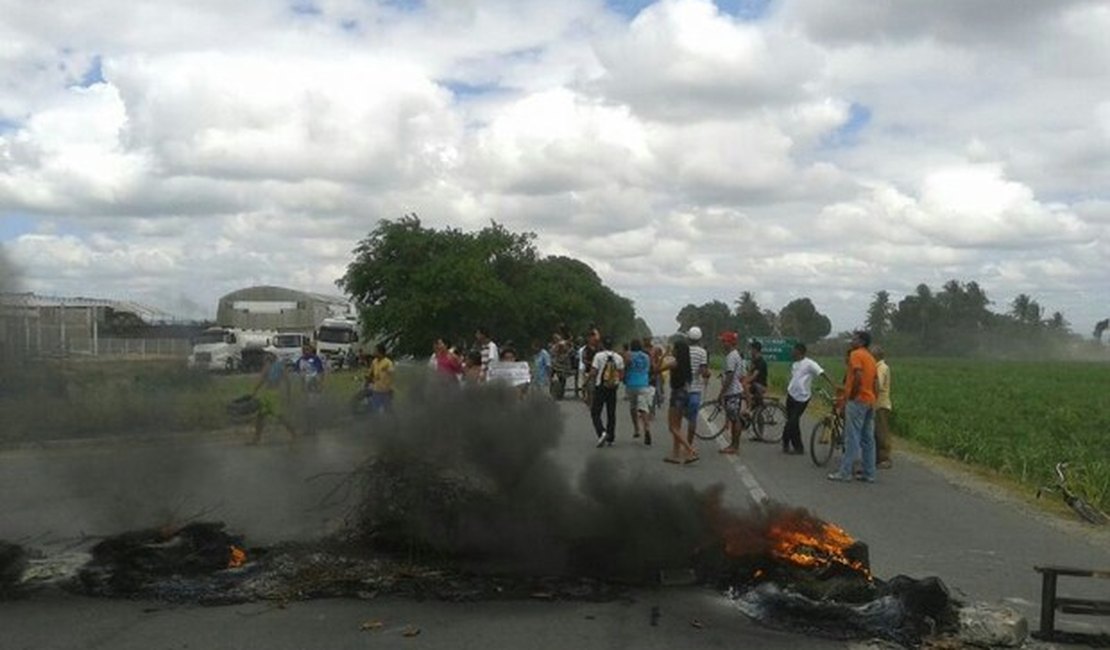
(170, 152)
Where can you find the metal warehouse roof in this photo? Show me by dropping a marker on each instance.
(268, 292)
(35, 301)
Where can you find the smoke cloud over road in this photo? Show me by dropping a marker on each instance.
(474, 475)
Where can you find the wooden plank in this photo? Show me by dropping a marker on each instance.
(1083, 606)
(1072, 571)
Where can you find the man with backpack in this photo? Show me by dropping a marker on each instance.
(605, 376)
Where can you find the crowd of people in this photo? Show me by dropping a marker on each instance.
(653, 375)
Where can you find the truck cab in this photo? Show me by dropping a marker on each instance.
(228, 349)
(287, 346)
(337, 341)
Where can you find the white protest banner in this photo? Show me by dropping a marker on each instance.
(515, 373)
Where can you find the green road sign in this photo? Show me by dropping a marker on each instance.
(776, 349)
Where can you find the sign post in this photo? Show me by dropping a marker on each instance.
(777, 349)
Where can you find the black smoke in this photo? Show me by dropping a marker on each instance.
(474, 476)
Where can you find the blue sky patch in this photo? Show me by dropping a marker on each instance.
(13, 225)
(742, 9)
(859, 116)
(305, 8)
(463, 90)
(405, 5)
(94, 74)
(8, 126)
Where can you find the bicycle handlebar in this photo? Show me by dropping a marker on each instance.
(1061, 467)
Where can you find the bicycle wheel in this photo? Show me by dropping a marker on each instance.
(822, 441)
(715, 422)
(769, 421)
(1088, 512)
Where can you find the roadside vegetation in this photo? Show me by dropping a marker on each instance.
(1017, 418)
(76, 399)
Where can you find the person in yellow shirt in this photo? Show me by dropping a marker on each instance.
(381, 381)
(883, 407)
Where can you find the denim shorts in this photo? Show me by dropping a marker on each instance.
(679, 399)
(693, 403)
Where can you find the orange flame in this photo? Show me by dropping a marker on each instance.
(812, 543)
(790, 535)
(236, 558)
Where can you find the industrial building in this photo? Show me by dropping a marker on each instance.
(278, 308)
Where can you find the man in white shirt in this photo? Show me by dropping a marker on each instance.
(699, 368)
(488, 348)
(798, 394)
(606, 374)
(731, 390)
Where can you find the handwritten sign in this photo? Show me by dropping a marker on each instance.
(515, 373)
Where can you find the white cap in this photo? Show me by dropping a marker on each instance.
(694, 333)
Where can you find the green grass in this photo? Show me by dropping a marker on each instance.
(85, 399)
(1017, 418)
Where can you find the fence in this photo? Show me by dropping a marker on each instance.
(143, 348)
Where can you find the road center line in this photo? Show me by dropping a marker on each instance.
(755, 491)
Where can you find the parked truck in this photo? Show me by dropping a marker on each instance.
(337, 341)
(230, 349)
(287, 346)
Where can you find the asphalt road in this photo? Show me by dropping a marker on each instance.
(917, 521)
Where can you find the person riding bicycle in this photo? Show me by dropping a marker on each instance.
(273, 402)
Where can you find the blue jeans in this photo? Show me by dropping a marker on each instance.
(859, 438)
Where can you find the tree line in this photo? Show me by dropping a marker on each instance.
(413, 284)
(799, 319)
(957, 320)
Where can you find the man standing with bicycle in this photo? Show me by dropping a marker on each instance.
(699, 367)
(859, 412)
(731, 390)
(798, 394)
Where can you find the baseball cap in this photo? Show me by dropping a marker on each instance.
(729, 338)
(694, 333)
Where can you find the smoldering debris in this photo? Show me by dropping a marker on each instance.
(124, 564)
(903, 609)
(13, 564)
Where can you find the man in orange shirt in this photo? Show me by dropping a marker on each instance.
(859, 412)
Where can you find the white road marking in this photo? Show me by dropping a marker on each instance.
(757, 493)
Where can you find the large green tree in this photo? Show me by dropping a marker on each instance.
(750, 319)
(878, 315)
(801, 320)
(413, 284)
(712, 317)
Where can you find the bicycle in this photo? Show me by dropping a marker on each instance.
(767, 419)
(827, 436)
(1077, 503)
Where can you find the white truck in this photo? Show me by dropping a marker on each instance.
(230, 349)
(287, 346)
(337, 341)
